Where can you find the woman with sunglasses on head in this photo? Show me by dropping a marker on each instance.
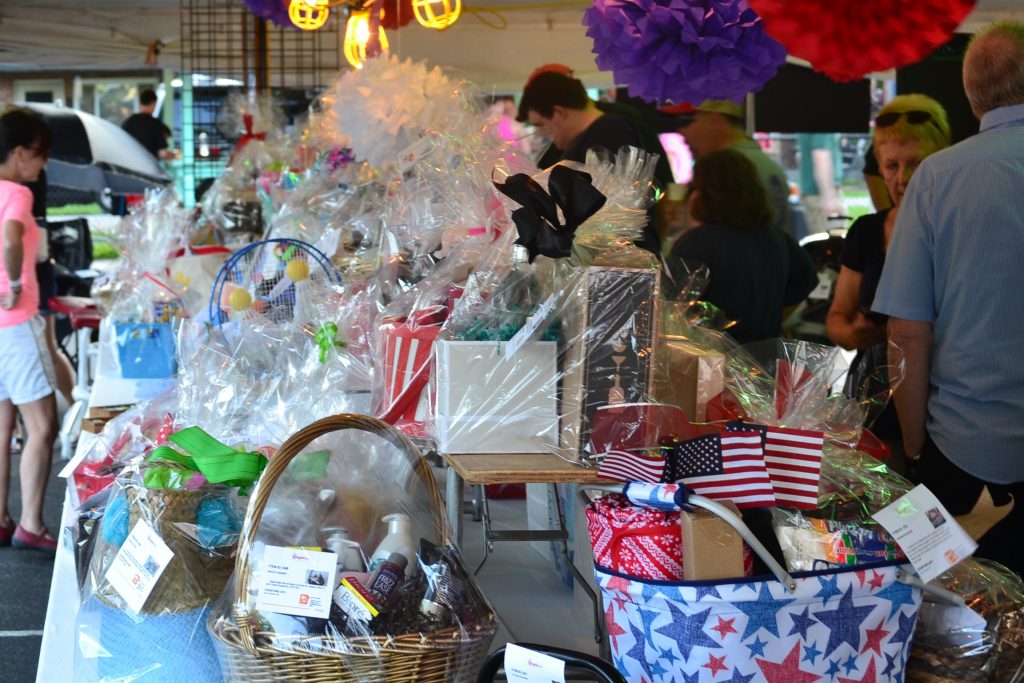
(907, 130)
(26, 372)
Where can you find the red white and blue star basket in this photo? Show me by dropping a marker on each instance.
(850, 625)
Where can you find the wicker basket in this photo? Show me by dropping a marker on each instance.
(450, 654)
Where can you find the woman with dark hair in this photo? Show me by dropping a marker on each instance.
(26, 371)
(755, 271)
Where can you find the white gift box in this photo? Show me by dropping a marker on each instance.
(490, 402)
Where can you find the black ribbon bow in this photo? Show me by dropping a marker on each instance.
(537, 223)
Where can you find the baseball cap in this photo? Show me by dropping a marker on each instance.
(683, 113)
(549, 69)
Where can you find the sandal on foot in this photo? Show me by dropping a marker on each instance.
(28, 541)
(6, 532)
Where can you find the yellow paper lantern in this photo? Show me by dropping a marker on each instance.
(308, 17)
(437, 14)
(357, 35)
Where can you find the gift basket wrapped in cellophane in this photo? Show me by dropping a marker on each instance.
(140, 301)
(556, 324)
(162, 555)
(982, 641)
(345, 569)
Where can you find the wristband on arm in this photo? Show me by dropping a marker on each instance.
(15, 284)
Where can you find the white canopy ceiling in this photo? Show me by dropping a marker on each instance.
(114, 34)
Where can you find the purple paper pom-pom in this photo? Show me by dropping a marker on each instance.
(272, 10)
(683, 50)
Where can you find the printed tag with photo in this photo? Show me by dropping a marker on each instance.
(296, 581)
(138, 565)
(926, 532)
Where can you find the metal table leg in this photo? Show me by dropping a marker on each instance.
(454, 489)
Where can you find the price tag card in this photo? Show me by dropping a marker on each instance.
(926, 532)
(523, 665)
(408, 157)
(296, 581)
(138, 565)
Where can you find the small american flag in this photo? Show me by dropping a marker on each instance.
(626, 466)
(728, 466)
(793, 458)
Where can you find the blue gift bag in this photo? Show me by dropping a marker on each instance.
(145, 350)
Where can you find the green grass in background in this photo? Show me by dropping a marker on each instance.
(75, 210)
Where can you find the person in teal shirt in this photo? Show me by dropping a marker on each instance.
(821, 171)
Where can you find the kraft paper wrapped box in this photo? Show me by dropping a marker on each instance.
(491, 401)
(609, 347)
(688, 376)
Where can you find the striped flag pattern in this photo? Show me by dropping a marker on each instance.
(727, 466)
(793, 459)
(626, 466)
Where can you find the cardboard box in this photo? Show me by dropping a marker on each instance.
(688, 376)
(609, 350)
(490, 402)
(711, 548)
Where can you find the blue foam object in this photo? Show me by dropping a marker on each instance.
(218, 523)
(173, 648)
(114, 527)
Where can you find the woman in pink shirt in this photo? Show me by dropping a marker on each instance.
(26, 371)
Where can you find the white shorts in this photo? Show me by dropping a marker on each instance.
(26, 369)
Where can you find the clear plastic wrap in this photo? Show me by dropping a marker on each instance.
(382, 110)
(343, 567)
(982, 641)
(855, 485)
(536, 344)
(123, 440)
(162, 554)
(256, 380)
(794, 383)
(138, 291)
(810, 544)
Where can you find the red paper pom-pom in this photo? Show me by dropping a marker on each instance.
(846, 39)
(397, 13)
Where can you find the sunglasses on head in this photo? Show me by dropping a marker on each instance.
(913, 117)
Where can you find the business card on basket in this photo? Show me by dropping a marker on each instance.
(296, 581)
(138, 565)
(926, 532)
(523, 665)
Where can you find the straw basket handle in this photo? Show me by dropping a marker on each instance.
(276, 467)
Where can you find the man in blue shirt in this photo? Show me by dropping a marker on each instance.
(954, 291)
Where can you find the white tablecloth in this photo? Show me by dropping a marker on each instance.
(57, 652)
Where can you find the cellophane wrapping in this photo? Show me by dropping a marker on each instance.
(428, 616)
(145, 240)
(812, 544)
(983, 641)
(257, 380)
(162, 636)
(540, 338)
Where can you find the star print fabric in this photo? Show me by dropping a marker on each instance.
(846, 626)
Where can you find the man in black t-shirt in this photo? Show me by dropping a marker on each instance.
(147, 129)
(558, 104)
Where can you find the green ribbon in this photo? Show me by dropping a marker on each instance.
(218, 462)
(325, 339)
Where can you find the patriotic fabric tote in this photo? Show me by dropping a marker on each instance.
(850, 625)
